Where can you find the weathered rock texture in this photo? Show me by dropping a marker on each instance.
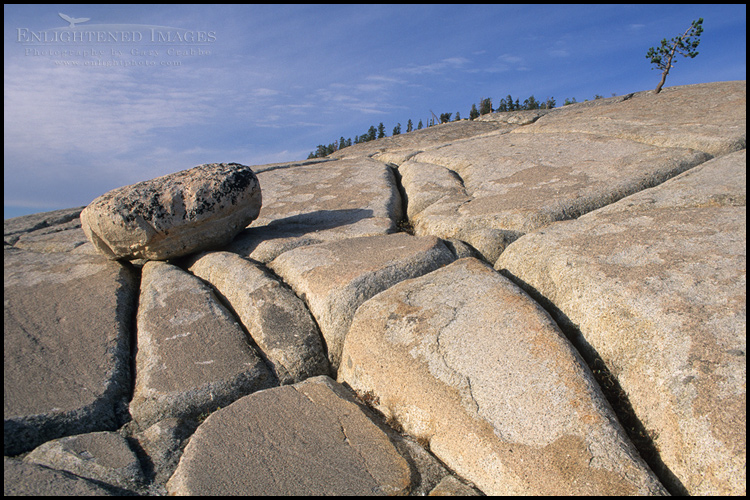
(569, 317)
(482, 374)
(192, 357)
(174, 215)
(335, 278)
(306, 439)
(329, 201)
(102, 456)
(516, 183)
(66, 345)
(664, 268)
(716, 127)
(276, 319)
(24, 479)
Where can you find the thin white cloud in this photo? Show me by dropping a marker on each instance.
(449, 63)
(501, 64)
(371, 96)
(510, 59)
(385, 79)
(72, 133)
(104, 112)
(559, 53)
(263, 92)
(371, 87)
(560, 48)
(455, 61)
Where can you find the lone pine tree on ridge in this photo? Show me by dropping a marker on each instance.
(683, 45)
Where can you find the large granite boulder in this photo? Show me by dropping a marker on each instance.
(174, 215)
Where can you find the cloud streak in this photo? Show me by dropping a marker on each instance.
(103, 112)
(436, 67)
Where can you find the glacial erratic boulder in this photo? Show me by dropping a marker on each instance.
(174, 215)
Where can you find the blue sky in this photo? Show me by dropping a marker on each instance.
(170, 87)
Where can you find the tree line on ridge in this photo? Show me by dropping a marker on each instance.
(485, 107)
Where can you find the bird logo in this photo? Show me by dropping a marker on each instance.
(74, 20)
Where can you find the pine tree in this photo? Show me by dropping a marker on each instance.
(381, 130)
(409, 126)
(681, 44)
(419, 126)
(445, 117)
(397, 129)
(458, 117)
(531, 103)
(485, 106)
(509, 102)
(371, 132)
(473, 113)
